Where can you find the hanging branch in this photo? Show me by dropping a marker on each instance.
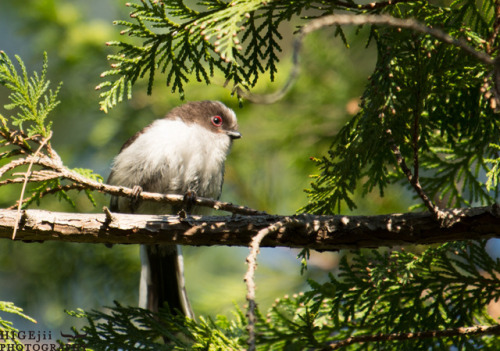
(359, 20)
(249, 278)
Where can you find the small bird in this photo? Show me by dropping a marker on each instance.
(182, 153)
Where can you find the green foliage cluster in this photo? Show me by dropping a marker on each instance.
(30, 95)
(127, 328)
(428, 99)
(178, 41)
(397, 292)
(9, 334)
(240, 39)
(33, 100)
(392, 292)
(374, 293)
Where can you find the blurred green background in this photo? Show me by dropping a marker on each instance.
(267, 169)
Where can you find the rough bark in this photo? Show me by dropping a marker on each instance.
(303, 231)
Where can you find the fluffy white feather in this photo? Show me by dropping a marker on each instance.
(159, 161)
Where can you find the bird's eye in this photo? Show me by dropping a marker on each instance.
(217, 121)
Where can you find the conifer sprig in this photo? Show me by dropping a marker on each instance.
(33, 99)
(10, 335)
(180, 42)
(31, 96)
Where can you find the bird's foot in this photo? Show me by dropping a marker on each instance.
(187, 205)
(189, 201)
(135, 197)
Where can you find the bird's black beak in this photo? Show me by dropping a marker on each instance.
(233, 134)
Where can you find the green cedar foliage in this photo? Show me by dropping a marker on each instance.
(9, 334)
(30, 95)
(33, 100)
(128, 328)
(374, 293)
(420, 87)
(239, 39)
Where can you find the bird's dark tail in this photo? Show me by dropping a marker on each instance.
(162, 279)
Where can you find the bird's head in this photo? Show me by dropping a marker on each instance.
(212, 115)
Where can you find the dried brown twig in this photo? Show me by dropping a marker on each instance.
(27, 176)
(412, 178)
(250, 282)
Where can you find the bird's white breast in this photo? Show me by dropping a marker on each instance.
(171, 156)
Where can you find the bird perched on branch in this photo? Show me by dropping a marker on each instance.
(183, 153)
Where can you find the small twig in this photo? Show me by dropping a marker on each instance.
(14, 164)
(491, 47)
(415, 149)
(16, 137)
(414, 181)
(80, 182)
(50, 191)
(416, 128)
(26, 177)
(39, 176)
(462, 331)
(370, 6)
(109, 215)
(12, 153)
(249, 279)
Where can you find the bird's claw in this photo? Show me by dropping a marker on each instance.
(189, 201)
(135, 197)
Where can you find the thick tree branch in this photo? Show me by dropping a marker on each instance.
(303, 231)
